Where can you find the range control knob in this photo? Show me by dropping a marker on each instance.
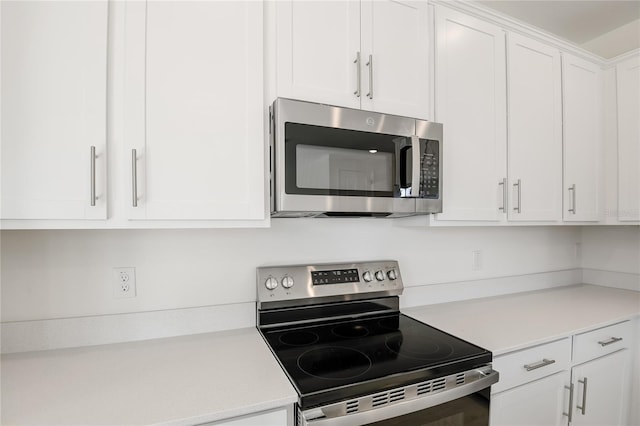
(367, 276)
(379, 275)
(287, 282)
(271, 283)
(392, 274)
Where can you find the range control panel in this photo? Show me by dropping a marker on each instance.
(293, 282)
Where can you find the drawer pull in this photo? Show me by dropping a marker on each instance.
(610, 341)
(570, 389)
(583, 409)
(540, 364)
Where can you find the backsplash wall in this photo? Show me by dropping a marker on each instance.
(611, 256)
(63, 274)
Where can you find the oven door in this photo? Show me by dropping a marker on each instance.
(466, 405)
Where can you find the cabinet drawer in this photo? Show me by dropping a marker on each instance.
(602, 341)
(533, 363)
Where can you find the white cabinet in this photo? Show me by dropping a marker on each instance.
(601, 390)
(194, 110)
(534, 129)
(531, 389)
(541, 402)
(471, 102)
(583, 157)
(628, 90)
(270, 418)
(54, 101)
(581, 380)
(361, 54)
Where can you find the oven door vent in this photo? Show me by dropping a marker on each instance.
(432, 386)
(460, 379)
(387, 397)
(352, 406)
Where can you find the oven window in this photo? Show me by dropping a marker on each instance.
(471, 410)
(328, 161)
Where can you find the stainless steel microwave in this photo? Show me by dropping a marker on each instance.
(334, 161)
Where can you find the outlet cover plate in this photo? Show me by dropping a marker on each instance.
(124, 282)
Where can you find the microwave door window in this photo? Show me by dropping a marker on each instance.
(342, 170)
(329, 161)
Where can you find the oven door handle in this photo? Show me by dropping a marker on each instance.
(404, 407)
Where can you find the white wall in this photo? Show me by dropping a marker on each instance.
(611, 256)
(62, 274)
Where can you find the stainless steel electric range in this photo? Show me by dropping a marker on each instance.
(355, 359)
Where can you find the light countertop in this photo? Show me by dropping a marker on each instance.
(182, 380)
(208, 377)
(506, 323)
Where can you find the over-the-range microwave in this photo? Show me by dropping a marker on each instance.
(333, 161)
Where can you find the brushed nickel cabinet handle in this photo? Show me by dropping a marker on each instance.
(610, 341)
(569, 414)
(583, 409)
(572, 188)
(358, 75)
(504, 194)
(93, 176)
(134, 177)
(518, 208)
(370, 65)
(543, 363)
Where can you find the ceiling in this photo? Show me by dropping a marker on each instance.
(585, 23)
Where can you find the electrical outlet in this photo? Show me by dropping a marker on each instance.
(124, 282)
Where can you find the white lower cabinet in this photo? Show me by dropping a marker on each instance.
(270, 418)
(541, 402)
(581, 380)
(601, 390)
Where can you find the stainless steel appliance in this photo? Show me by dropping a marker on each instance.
(337, 331)
(333, 161)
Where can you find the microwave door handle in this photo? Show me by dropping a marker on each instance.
(415, 166)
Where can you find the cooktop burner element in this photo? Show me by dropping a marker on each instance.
(350, 331)
(334, 363)
(299, 338)
(420, 350)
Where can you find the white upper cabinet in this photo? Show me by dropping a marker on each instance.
(582, 87)
(534, 130)
(194, 128)
(395, 55)
(54, 101)
(628, 85)
(364, 54)
(317, 46)
(471, 102)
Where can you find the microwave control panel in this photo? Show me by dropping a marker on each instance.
(430, 170)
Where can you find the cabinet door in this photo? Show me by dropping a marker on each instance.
(317, 44)
(628, 81)
(471, 100)
(535, 130)
(583, 138)
(272, 418)
(541, 402)
(194, 110)
(54, 75)
(602, 390)
(395, 46)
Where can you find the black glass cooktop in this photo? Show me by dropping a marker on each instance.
(342, 359)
